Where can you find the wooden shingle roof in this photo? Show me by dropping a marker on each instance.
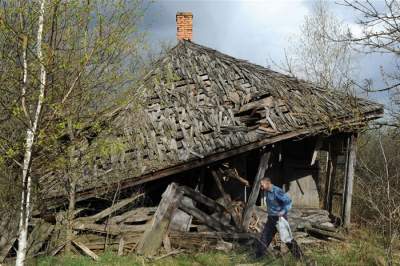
(200, 105)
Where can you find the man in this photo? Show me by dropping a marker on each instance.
(278, 204)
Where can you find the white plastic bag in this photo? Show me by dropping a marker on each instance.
(283, 228)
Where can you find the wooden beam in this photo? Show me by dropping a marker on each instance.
(111, 209)
(197, 196)
(221, 190)
(205, 219)
(86, 250)
(268, 101)
(318, 146)
(181, 220)
(234, 175)
(348, 190)
(248, 210)
(154, 234)
(121, 246)
(111, 229)
(330, 177)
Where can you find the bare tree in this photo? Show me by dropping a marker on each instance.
(378, 184)
(315, 56)
(379, 24)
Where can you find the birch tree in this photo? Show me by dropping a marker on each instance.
(30, 138)
(57, 79)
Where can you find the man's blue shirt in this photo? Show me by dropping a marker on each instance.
(277, 201)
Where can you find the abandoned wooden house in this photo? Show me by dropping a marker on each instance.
(210, 128)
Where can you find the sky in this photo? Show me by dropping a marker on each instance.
(252, 30)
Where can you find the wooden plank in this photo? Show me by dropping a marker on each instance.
(154, 235)
(330, 177)
(181, 220)
(268, 101)
(221, 190)
(318, 145)
(112, 229)
(111, 209)
(206, 219)
(141, 214)
(86, 250)
(349, 180)
(197, 196)
(207, 240)
(323, 233)
(121, 246)
(248, 210)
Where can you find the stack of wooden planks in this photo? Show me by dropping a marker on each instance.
(184, 219)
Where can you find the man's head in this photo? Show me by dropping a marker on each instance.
(266, 184)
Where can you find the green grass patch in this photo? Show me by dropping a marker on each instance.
(364, 248)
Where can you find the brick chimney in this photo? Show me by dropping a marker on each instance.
(184, 25)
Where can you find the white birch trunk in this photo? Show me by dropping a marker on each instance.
(30, 137)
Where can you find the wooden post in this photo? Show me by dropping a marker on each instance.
(248, 210)
(330, 177)
(349, 180)
(221, 190)
(154, 234)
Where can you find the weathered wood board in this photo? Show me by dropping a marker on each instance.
(155, 233)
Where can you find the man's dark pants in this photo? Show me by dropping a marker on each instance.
(268, 234)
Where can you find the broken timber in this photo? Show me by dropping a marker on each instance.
(154, 234)
(248, 210)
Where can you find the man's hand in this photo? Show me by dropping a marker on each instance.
(281, 214)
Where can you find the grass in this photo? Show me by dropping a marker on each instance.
(363, 248)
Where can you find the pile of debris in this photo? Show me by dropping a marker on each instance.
(184, 219)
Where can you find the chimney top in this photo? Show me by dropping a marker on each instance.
(184, 25)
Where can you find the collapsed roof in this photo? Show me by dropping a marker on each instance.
(201, 106)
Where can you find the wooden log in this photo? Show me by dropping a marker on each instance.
(248, 210)
(205, 218)
(111, 209)
(154, 235)
(85, 250)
